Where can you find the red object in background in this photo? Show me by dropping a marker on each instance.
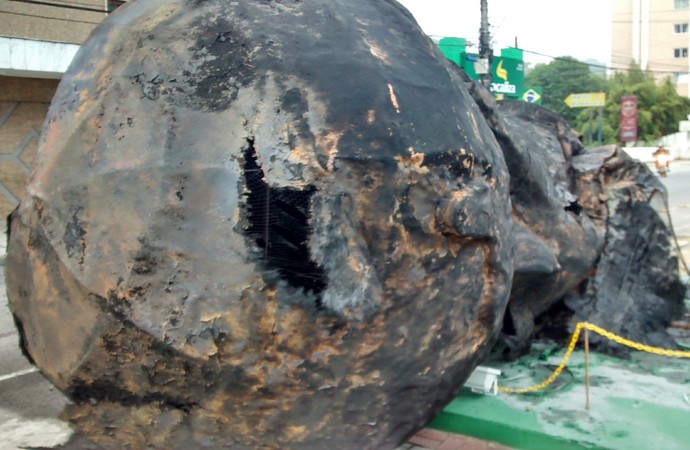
(628, 118)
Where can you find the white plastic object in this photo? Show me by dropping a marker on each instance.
(484, 380)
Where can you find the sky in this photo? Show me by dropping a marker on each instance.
(577, 28)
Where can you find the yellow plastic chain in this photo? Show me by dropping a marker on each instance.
(608, 335)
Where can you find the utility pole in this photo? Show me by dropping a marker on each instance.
(485, 52)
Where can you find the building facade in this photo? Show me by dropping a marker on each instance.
(655, 34)
(38, 40)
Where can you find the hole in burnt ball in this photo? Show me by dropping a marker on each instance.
(279, 225)
(574, 207)
(508, 325)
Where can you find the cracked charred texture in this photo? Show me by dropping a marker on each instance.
(636, 290)
(556, 244)
(270, 247)
(585, 232)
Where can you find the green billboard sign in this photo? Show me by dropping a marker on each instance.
(452, 48)
(507, 70)
(508, 74)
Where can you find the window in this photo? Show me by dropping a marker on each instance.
(680, 28)
(680, 52)
(111, 5)
(681, 4)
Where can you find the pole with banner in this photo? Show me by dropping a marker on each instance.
(628, 118)
(601, 113)
(589, 128)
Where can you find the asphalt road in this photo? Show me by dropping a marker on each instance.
(30, 406)
(678, 187)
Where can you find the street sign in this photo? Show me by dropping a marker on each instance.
(507, 76)
(586, 100)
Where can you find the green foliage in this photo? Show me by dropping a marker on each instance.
(660, 108)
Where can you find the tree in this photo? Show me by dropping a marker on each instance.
(659, 107)
(561, 77)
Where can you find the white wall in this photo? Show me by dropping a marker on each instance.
(678, 144)
(643, 154)
(35, 59)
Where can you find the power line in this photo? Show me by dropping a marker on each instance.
(612, 67)
(69, 6)
(661, 11)
(651, 21)
(671, 69)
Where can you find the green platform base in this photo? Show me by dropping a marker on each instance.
(641, 404)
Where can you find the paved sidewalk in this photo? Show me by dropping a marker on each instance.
(439, 440)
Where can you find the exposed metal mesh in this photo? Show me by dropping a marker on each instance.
(279, 225)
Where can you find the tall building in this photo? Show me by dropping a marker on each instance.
(654, 34)
(38, 40)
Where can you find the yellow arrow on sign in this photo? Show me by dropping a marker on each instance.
(586, 100)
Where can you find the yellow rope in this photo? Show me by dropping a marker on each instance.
(608, 335)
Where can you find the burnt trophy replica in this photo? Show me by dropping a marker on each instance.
(260, 224)
(593, 238)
